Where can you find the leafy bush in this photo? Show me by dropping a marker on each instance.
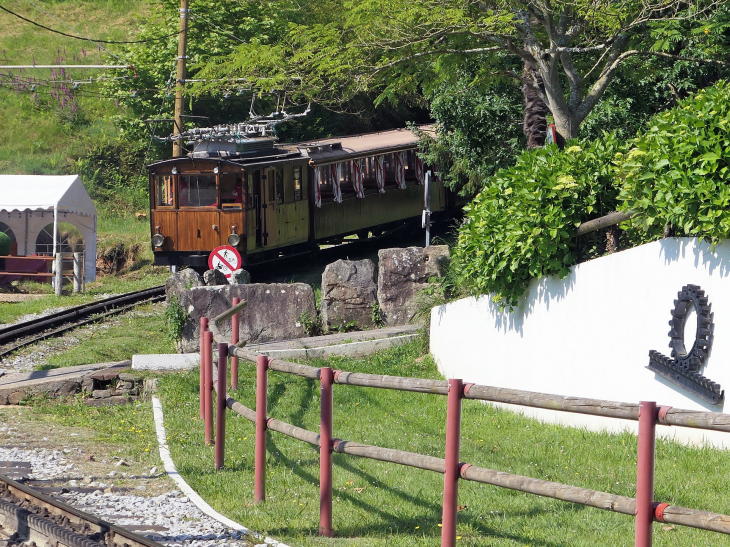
(676, 174)
(522, 225)
(175, 319)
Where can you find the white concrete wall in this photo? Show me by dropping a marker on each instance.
(589, 335)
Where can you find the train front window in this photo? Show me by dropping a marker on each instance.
(231, 191)
(165, 191)
(198, 191)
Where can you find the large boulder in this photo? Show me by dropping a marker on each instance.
(273, 311)
(180, 281)
(349, 290)
(240, 277)
(214, 277)
(402, 274)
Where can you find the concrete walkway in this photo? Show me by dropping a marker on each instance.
(351, 344)
(14, 387)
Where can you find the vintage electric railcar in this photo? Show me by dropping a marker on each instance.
(270, 200)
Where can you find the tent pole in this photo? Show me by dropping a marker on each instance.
(25, 241)
(55, 228)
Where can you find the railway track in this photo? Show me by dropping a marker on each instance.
(29, 517)
(14, 337)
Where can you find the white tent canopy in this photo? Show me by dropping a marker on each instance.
(28, 203)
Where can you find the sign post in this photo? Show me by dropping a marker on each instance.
(225, 259)
(426, 218)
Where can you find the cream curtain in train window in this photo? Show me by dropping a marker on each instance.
(336, 173)
(400, 169)
(358, 178)
(380, 172)
(318, 179)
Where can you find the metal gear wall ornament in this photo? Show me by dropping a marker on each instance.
(683, 367)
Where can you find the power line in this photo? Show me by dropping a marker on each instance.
(83, 38)
(73, 29)
(220, 30)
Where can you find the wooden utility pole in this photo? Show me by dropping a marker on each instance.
(182, 42)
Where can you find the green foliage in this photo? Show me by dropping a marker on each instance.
(522, 225)
(376, 315)
(479, 132)
(312, 325)
(175, 318)
(4, 244)
(676, 173)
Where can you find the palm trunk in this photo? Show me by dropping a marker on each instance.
(535, 113)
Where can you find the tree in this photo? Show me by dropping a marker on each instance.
(401, 47)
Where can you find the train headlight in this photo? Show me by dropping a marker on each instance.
(234, 240)
(158, 240)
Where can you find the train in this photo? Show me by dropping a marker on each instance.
(239, 187)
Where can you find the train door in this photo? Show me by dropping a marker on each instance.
(270, 231)
(198, 219)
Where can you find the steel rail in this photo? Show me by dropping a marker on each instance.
(74, 317)
(114, 535)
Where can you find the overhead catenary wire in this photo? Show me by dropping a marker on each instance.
(74, 30)
(97, 40)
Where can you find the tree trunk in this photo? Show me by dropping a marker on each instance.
(535, 113)
(566, 126)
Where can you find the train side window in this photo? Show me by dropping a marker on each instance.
(249, 189)
(298, 183)
(165, 191)
(198, 191)
(231, 191)
(410, 167)
(280, 185)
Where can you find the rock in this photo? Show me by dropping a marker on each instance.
(214, 277)
(349, 290)
(402, 274)
(126, 377)
(101, 393)
(153, 470)
(240, 277)
(180, 281)
(122, 463)
(273, 311)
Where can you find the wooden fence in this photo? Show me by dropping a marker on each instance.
(644, 508)
(76, 273)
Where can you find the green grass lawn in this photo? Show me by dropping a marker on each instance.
(37, 139)
(377, 503)
(142, 331)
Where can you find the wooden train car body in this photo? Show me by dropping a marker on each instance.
(272, 200)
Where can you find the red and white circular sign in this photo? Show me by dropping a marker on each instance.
(226, 259)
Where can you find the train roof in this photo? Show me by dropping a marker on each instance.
(355, 146)
(319, 152)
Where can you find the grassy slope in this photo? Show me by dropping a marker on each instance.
(35, 140)
(378, 503)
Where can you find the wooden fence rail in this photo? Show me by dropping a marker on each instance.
(643, 507)
(593, 498)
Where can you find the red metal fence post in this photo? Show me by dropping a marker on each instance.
(645, 474)
(262, 366)
(234, 341)
(451, 477)
(220, 415)
(208, 387)
(203, 328)
(325, 452)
